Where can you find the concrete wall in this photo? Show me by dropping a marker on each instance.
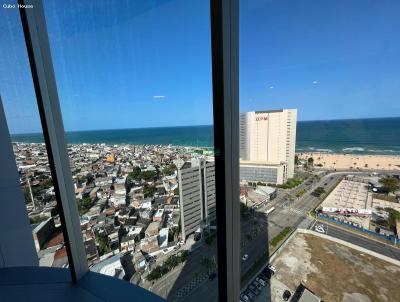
(16, 241)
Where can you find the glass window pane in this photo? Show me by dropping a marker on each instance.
(22, 117)
(320, 152)
(134, 81)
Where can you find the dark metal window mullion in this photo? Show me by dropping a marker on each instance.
(225, 49)
(38, 48)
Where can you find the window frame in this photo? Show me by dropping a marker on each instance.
(224, 17)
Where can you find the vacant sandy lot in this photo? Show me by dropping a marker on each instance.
(335, 272)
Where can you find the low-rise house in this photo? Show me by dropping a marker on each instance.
(152, 229)
(127, 243)
(158, 216)
(149, 244)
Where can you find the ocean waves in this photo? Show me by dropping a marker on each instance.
(351, 150)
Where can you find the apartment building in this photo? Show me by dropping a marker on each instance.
(197, 195)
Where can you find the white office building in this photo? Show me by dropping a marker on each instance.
(268, 138)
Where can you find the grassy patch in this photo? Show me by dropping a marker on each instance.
(384, 197)
(291, 183)
(278, 238)
(301, 193)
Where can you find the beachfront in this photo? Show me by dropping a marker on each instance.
(353, 161)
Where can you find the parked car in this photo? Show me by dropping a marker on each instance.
(272, 268)
(254, 289)
(249, 294)
(258, 285)
(267, 273)
(286, 295)
(265, 277)
(212, 275)
(244, 298)
(261, 281)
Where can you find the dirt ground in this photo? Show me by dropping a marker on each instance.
(337, 273)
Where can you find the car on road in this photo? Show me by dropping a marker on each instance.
(272, 268)
(258, 285)
(249, 294)
(254, 289)
(265, 276)
(212, 275)
(286, 295)
(245, 256)
(261, 281)
(267, 273)
(244, 298)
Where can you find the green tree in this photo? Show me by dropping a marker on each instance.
(149, 191)
(89, 178)
(296, 160)
(84, 205)
(169, 170)
(37, 219)
(318, 191)
(27, 195)
(310, 161)
(147, 175)
(134, 175)
(183, 256)
(390, 184)
(103, 246)
(394, 216)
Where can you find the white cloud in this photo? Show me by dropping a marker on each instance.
(271, 87)
(158, 96)
(315, 82)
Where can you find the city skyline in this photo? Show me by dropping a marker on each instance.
(323, 71)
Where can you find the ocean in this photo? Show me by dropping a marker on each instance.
(360, 136)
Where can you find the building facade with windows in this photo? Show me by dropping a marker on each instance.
(269, 137)
(196, 195)
(267, 173)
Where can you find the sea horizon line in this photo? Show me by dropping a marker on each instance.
(203, 125)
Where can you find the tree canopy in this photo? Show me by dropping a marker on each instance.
(169, 170)
(134, 175)
(390, 184)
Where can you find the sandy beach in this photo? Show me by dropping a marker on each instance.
(353, 161)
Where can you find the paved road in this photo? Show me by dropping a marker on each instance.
(287, 213)
(364, 242)
(182, 275)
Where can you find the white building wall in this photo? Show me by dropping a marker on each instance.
(269, 136)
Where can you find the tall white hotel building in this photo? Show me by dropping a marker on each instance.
(267, 145)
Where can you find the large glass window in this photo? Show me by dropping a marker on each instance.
(22, 118)
(319, 148)
(134, 82)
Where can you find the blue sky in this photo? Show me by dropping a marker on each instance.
(130, 64)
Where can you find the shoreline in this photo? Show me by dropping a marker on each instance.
(353, 161)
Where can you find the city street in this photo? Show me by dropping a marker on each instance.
(370, 244)
(287, 213)
(262, 228)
